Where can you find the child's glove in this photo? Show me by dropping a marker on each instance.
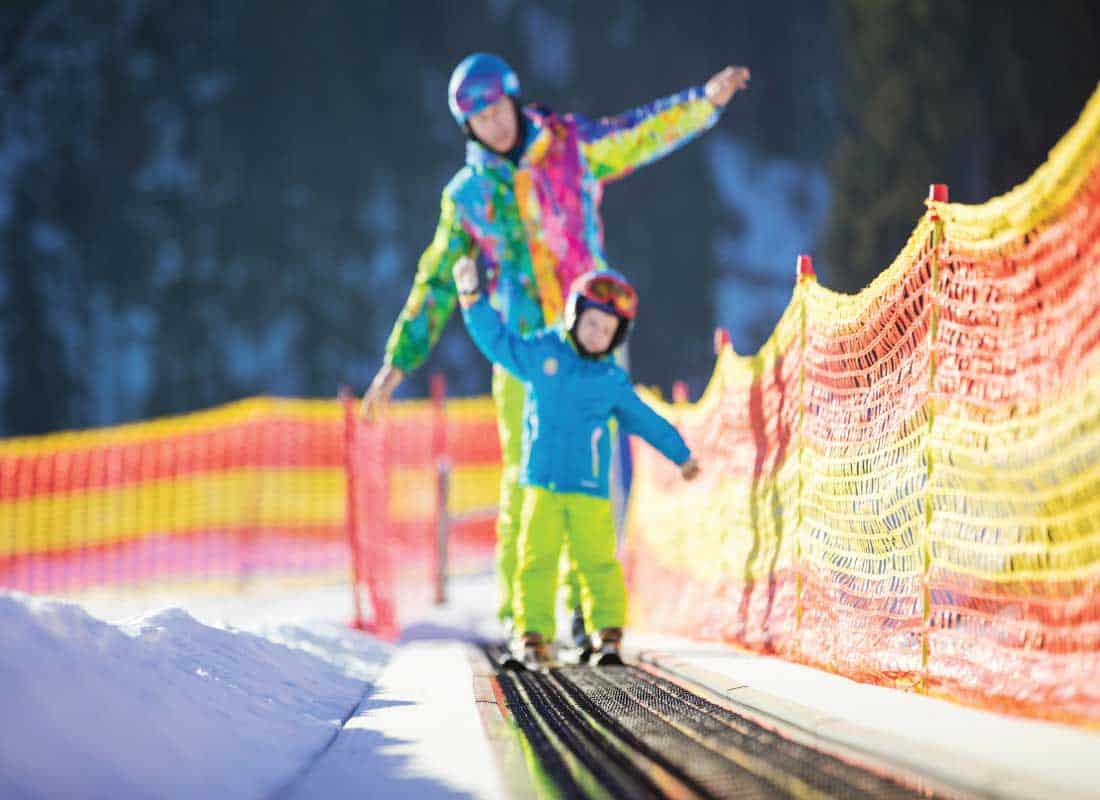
(466, 279)
(689, 470)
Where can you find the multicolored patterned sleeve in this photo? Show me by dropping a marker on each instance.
(616, 146)
(433, 297)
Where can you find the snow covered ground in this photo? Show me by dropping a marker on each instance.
(267, 694)
(239, 696)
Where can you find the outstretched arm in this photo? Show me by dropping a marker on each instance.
(641, 420)
(492, 337)
(615, 146)
(429, 306)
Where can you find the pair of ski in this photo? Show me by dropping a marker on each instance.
(508, 660)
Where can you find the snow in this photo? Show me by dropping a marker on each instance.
(163, 705)
(179, 693)
(387, 738)
(265, 692)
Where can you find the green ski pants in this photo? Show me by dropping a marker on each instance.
(585, 525)
(508, 396)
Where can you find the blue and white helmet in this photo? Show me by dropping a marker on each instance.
(477, 82)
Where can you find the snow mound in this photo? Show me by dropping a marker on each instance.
(166, 706)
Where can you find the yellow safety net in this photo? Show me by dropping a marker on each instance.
(903, 485)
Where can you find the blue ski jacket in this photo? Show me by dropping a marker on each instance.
(569, 401)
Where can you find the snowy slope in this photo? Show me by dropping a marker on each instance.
(166, 706)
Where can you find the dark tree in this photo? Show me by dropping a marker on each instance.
(968, 94)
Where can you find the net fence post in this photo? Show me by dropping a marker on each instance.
(351, 514)
(680, 392)
(804, 273)
(442, 493)
(937, 193)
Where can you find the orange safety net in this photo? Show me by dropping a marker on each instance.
(424, 482)
(252, 488)
(903, 485)
(258, 488)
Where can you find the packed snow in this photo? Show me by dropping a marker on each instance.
(166, 706)
(273, 696)
(239, 695)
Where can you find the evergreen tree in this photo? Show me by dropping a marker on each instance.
(937, 92)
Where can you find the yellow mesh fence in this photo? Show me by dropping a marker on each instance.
(903, 485)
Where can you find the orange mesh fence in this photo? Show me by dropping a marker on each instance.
(903, 485)
(255, 487)
(717, 554)
(258, 488)
(424, 484)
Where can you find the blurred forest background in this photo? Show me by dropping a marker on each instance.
(207, 200)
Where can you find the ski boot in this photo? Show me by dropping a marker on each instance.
(608, 655)
(505, 654)
(581, 640)
(534, 652)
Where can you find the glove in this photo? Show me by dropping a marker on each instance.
(465, 272)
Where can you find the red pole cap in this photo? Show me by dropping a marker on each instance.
(937, 193)
(804, 266)
(679, 392)
(721, 339)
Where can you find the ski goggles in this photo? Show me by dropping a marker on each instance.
(476, 98)
(480, 90)
(610, 292)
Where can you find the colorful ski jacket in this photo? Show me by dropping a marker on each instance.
(569, 401)
(536, 225)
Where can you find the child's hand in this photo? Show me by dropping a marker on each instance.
(689, 470)
(465, 273)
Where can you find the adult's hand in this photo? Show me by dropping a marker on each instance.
(378, 395)
(690, 470)
(725, 84)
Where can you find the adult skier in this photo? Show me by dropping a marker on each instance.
(527, 202)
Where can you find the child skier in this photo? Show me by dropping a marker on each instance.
(572, 389)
